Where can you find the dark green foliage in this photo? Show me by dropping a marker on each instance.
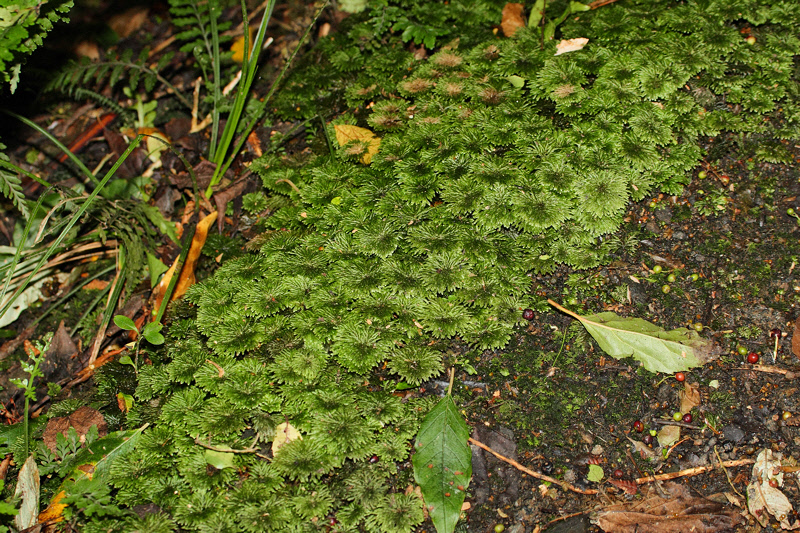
(23, 26)
(367, 272)
(124, 71)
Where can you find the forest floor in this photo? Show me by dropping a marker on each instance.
(723, 258)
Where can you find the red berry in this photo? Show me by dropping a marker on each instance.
(773, 483)
(775, 333)
(648, 439)
(680, 376)
(527, 314)
(687, 418)
(374, 459)
(618, 473)
(638, 426)
(752, 358)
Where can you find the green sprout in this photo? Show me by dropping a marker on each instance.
(151, 333)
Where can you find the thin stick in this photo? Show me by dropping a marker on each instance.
(727, 475)
(693, 471)
(518, 466)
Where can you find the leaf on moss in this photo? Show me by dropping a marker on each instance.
(658, 350)
(219, 460)
(512, 19)
(443, 463)
(284, 434)
(570, 45)
(346, 133)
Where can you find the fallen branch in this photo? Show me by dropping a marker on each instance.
(693, 471)
(537, 475)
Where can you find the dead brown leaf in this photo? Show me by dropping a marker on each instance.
(512, 19)
(680, 512)
(127, 22)
(796, 338)
(690, 397)
(82, 420)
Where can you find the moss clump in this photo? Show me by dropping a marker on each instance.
(498, 159)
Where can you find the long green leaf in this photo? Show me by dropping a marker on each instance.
(72, 221)
(32, 124)
(443, 463)
(658, 350)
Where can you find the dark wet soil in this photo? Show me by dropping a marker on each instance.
(559, 409)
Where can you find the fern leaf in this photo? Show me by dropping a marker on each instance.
(11, 185)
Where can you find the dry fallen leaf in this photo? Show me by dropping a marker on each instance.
(690, 397)
(644, 451)
(668, 436)
(512, 19)
(679, 512)
(28, 490)
(346, 133)
(796, 338)
(762, 498)
(570, 45)
(284, 433)
(129, 21)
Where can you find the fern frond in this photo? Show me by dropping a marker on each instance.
(11, 185)
(133, 72)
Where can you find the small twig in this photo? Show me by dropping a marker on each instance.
(600, 3)
(674, 423)
(727, 475)
(224, 449)
(676, 445)
(560, 518)
(692, 471)
(289, 182)
(530, 472)
(788, 374)
(220, 370)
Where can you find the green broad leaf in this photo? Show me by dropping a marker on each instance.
(219, 460)
(537, 12)
(658, 350)
(126, 360)
(595, 473)
(353, 6)
(443, 463)
(516, 81)
(124, 322)
(155, 217)
(152, 332)
(156, 267)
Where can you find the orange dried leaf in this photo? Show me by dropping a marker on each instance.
(512, 19)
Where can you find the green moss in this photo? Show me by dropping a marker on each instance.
(367, 272)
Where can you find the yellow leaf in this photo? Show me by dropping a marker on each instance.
(285, 432)
(238, 46)
(54, 511)
(346, 133)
